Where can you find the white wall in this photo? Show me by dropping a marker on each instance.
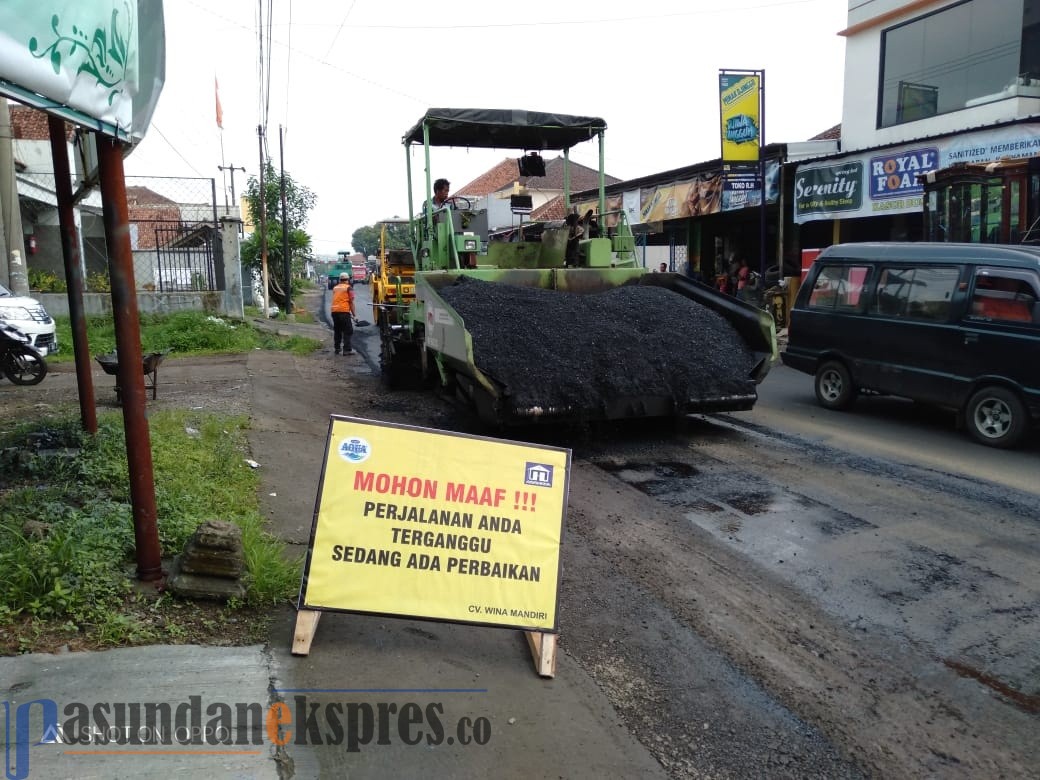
(36, 155)
(500, 215)
(862, 74)
(654, 256)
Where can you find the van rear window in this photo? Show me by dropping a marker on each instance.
(1003, 298)
(839, 287)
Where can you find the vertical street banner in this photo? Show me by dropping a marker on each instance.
(414, 522)
(740, 103)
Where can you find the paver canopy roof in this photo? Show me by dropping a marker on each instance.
(504, 128)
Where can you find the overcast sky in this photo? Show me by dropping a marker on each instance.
(349, 78)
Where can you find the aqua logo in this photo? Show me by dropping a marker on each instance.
(355, 450)
(538, 474)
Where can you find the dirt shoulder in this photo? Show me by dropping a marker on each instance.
(679, 656)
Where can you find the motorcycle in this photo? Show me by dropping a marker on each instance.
(771, 299)
(19, 362)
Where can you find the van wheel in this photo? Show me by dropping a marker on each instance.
(996, 417)
(834, 389)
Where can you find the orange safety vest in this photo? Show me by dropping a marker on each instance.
(342, 298)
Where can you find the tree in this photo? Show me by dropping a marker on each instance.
(366, 239)
(299, 201)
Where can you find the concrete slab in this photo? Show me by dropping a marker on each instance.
(99, 695)
(439, 685)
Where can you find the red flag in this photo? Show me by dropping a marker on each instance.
(220, 111)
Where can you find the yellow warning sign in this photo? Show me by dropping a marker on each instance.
(416, 522)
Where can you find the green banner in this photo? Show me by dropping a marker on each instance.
(829, 189)
(98, 63)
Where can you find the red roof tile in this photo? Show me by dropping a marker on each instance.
(831, 134)
(506, 172)
(142, 196)
(30, 124)
(552, 209)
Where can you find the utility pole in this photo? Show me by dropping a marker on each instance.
(286, 265)
(263, 222)
(231, 168)
(16, 271)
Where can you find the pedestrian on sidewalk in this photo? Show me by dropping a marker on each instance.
(343, 314)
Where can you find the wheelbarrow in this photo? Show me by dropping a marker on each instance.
(149, 365)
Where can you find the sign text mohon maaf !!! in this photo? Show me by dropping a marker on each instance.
(418, 523)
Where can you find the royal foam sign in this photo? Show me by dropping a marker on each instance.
(893, 179)
(897, 175)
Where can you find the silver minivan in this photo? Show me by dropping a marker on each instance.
(29, 316)
(952, 325)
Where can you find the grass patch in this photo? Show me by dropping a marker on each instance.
(184, 333)
(66, 533)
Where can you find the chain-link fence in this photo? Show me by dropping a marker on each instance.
(173, 233)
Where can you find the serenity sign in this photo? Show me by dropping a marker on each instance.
(414, 522)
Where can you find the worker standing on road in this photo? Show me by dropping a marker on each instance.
(343, 314)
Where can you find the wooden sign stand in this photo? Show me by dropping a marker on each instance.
(542, 644)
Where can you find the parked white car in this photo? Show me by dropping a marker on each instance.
(29, 316)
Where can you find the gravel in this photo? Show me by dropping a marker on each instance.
(549, 348)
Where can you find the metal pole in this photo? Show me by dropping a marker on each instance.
(286, 264)
(567, 181)
(231, 168)
(602, 181)
(428, 211)
(414, 229)
(265, 295)
(130, 374)
(762, 178)
(213, 189)
(408, 170)
(73, 272)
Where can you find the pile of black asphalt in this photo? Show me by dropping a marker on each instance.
(553, 349)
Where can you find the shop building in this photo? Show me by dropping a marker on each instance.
(939, 97)
(695, 219)
(929, 85)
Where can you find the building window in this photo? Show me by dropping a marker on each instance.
(972, 53)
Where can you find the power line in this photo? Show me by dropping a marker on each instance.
(584, 21)
(155, 127)
(340, 28)
(263, 33)
(257, 27)
(267, 73)
(288, 65)
(587, 21)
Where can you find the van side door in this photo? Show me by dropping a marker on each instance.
(1001, 328)
(912, 318)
